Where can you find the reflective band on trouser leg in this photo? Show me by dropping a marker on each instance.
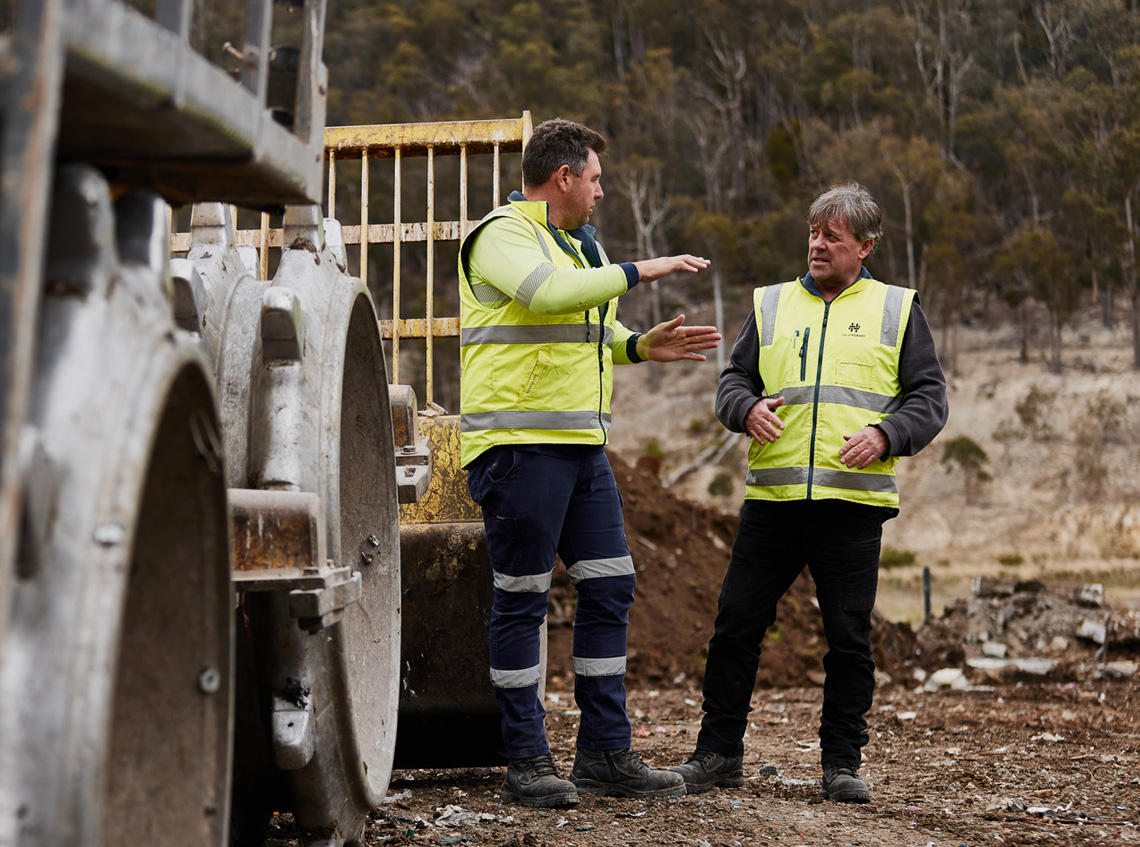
(600, 625)
(597, 568)
(523, 513)
(598, 562)
(517, 611)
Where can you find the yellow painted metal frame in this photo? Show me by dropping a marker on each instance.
(399, 141)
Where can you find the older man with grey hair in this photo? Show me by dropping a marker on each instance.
(834, 376)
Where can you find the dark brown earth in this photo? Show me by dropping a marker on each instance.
(1043, 763)
(967, 746)
(681, 550)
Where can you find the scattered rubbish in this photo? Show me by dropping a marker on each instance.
(457, 816)
(1033, 665)
(1007, 628)
(398, 797)
(1093, 631)
(1118, 670)
(954, 678)
(995, 649)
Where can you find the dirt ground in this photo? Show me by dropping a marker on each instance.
(1010, 716)
(1050, 762)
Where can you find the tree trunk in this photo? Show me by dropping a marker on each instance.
(1054, 341)
(1023, 314)
(1135, 329)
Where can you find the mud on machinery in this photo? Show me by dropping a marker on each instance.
(239, 572)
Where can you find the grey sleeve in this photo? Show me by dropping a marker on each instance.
(925, 406)
(740, 386)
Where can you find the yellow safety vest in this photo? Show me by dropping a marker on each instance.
(836, 364)
(533, 378)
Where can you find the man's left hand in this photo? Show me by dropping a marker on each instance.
(672, 341)
(864, 447)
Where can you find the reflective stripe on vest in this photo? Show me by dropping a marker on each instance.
(535, 334)
(843, 397)
(534, 420)
(836, 366)
(833, 479)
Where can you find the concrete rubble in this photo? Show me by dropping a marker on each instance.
(1008, 629)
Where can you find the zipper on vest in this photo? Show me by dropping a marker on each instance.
(815, 395)
(602, 309)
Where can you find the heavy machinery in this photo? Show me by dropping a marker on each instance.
(239, 572)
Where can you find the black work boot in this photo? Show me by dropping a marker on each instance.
(622, 772)
(535, 782)
(842, 784)
(706, 769)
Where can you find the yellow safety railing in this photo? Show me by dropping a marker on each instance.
(399, 142)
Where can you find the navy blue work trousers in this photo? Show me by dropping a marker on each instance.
(839, 541)
(539, 502)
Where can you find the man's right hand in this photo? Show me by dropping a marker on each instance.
(762, 423)
(650, 269)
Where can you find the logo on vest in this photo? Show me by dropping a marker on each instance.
(853, 329)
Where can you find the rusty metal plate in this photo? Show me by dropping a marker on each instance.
(276, 531)
(446, 500)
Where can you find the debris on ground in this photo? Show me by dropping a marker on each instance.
(1017, 629)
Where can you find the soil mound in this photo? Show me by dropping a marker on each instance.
(681, 551)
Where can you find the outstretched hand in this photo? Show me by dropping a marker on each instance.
(671, 341)
(649, 270)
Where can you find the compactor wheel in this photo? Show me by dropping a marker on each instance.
(307, 422)
(117, 703)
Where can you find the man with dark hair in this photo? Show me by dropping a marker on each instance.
(539, 342)
(834, 376)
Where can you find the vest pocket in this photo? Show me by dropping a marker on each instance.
(535, 373)
(855, 374)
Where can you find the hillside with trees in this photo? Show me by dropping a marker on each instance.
(1002, 138)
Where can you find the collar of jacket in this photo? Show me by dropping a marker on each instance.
(539, 210)
(809, 284)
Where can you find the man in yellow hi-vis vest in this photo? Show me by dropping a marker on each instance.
(834, 376)
(539, 341)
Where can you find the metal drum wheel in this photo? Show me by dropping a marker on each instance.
(117, 707)
(307, 429)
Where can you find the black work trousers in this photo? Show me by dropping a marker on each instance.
(840, 542)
